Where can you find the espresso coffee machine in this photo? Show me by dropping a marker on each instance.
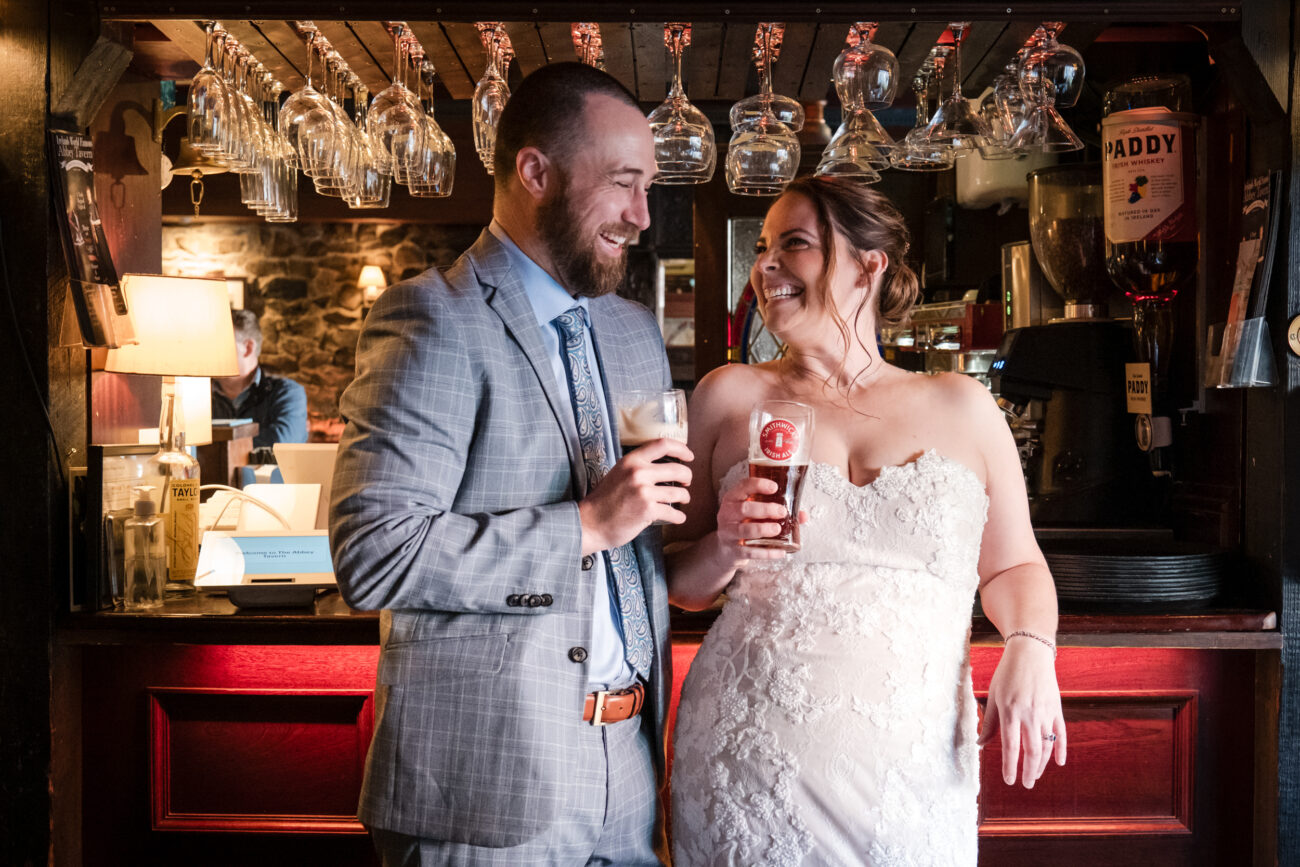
(1061, 384)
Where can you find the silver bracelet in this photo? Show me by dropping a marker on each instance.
(1034, 635)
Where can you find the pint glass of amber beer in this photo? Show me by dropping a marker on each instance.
(780, 443)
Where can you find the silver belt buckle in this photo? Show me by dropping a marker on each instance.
(598, 709)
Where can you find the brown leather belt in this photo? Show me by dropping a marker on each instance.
(606, 706)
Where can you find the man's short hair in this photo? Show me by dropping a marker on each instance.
(546, 112)
(247, 328)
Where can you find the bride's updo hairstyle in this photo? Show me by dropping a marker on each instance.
(868, 221)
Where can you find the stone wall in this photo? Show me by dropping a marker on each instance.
(301, 279)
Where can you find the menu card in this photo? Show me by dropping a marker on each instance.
(96, 294)
(1255, 253)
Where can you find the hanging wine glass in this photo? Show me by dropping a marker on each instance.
(259, 191)
(508, 54)
(866, 70)
(491, 93)
(252, 187)
(395, 123)
(283, 205)
(279, 179)
(1050, 68)
(1009, 106)
(917, 153)
(685, 150)
(321, 138)
(768, 39)
(205, 105)
(234, 135)
(587, 43)
(850, 153)
(304, 101)
(955, 124)
(373, 186)
(435, 170)
(252, 144)
(764, 153)
(864, 75)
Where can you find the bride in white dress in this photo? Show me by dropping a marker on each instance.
(828, 718)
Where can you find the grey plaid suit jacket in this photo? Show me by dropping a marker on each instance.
(453, 490)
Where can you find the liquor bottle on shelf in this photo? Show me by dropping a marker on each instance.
(1149, 174)
(1149, 179)
(144, 537)
(180, 497)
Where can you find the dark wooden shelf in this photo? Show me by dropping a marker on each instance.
(211, 619)
(1209, 628)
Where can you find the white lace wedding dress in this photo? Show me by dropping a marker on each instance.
(828, 718)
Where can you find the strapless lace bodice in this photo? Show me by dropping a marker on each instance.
(926, 515)
(828, 717)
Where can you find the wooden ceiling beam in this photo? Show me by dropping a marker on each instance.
(652, 70)
(530, 55)
(700, 61)
(252, 38)
(734, 60)
(796, 45)
(1190, 11)
(355, 54)
(978, 42)
(620, 54)
(978, 74)
(451, 70)
(826, 47)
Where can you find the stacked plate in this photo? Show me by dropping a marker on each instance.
(1136, 573)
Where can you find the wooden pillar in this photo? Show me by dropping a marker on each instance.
(1286, 44)
(1271, 464)
(45, 396)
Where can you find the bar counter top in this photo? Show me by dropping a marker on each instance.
(212, 619)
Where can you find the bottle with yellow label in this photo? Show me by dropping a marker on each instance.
(180, 497)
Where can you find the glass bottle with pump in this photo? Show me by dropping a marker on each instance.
(1149, 174)
(180, 497)
(144, 539)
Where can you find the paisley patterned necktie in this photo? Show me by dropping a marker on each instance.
(621, 561)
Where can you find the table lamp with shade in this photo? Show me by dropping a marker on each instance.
(372, 283)
(185, 336)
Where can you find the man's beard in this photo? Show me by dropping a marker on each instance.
(580, 269)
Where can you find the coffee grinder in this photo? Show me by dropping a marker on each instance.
(1061, 384)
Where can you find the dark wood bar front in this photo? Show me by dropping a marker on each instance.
(239, 737)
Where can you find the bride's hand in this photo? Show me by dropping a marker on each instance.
(1024, 702)
(740, 518)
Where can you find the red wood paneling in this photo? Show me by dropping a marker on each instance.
(1151, 735)
(267, 739)
(204, 741)
(213, 755)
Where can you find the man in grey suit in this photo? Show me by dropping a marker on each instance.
(524, 677)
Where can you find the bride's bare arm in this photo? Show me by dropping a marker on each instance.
(703, 553)
(1019, 597)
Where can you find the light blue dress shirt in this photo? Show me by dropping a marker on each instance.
(606, 665)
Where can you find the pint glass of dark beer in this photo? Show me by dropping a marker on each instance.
(650, 414)
(780, 443)
(647, 415)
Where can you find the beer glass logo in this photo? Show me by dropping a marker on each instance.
(779, 440)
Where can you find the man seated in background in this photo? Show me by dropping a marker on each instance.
(277, 404)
